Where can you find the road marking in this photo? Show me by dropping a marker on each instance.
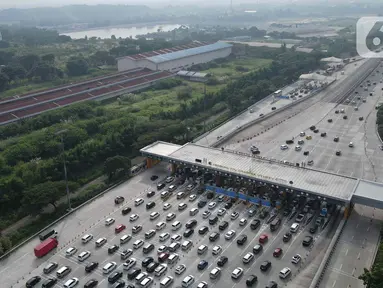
(333, 284)
(368, 228)
(357, 225)
(346, 252)
(358, 256)
(341, 266)
(353, 271)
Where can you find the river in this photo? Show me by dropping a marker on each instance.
(122, 32)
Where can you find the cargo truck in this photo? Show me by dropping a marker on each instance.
(45, 247)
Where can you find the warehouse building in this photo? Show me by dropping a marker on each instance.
(177, 58)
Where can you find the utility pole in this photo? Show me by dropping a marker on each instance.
(204, 107)
(61, 133)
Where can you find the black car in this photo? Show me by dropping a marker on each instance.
(126, 210)
(150, 194)
(113, 249)
(213, 220)
(191, 223)
(307, 241)
(257, 248)
(345, 117)
(188, 233)
(312, 128)
(241, 239)
(265, 265)
(91, 283)
(273, 108)
(50, 282)
(114, 277)
(222, 261)
(33, 281)
(336, 111)
(154, 177)
(214, 236)
(314, 229)
(223, 225)
(119, 199)
(202, 203)
(272, 284)
(150, 205)
(306, 153)
(161, 186)
(202, 265)
(361, 118)
(287, 237)
(203, 230)
(316, 130)
(91, 266)
(324, 134)
(151, 267)
(255, 224)
(251, 280)
(228, 205)
(133, 273)
(147, 261)
(338, 153)
(329, 120)
(119, 284)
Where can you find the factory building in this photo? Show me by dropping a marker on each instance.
(176, 58)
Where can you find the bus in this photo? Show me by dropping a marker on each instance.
(277, 93)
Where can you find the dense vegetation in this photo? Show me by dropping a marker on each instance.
(379, 120)
(374, 278)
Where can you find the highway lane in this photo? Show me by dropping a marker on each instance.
(361, 161)
(355, 250)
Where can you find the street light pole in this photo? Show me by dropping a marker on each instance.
(65, 170)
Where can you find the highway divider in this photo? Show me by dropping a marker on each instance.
(327, 257)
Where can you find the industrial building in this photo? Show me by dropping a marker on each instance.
(177, 58)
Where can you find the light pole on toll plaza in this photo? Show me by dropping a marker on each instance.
(61, 132)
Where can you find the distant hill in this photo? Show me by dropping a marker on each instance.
(52, 16)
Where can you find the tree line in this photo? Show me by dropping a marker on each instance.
(33, 161)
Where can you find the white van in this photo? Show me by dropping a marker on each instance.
(186, 245)
(166, 282)
(164, 236)
(173, 258)
(125, 238)
(285, 272)
(176, 225)
(160, 226)
(294, 228)
(193, 211)
(83, 255)
(138, 243)
(63, 271)
(188, 281)
(202, 249)
(86, 238)
(109, 267)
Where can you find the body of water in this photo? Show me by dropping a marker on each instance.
(122, 32)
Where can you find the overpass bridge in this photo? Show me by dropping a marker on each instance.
(284, 176)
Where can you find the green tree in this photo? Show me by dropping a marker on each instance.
(184, 93)
(4, 79)
(5, 243)
(115, 164)
(29, 61)
(41, 195)
(49, 58)
(77, 66)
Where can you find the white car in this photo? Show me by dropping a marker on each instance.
(86, 238)
(296, 259)
(351, 145)
(221, 212)
(129, 263)
(302, 134)
(206, 214)
(167, 206)
(248, 258)
(169, 179)
(298, 148)
(284, 147)
(146, 282)
(190, 187)
(202, 284)
(162, 249)
(180, 195)
(160, 225)
(109, 221)
(71, 282)
(216, 250)
(133, 217)
(180, 269)
(237, 273)
(70, 251)
(161, 269)
(230, 234)
(212, 205)
(192, 197)
(83, 256)
(138, 201)
(182, 206)
(176, 238)
(234, 215)
(170, 216)
(243, 222)
(154, 215)
(164, 236)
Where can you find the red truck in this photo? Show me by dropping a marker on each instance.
(45, 247)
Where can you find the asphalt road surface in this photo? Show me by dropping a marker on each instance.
(356, 249)
(362, 161)
(91, 219)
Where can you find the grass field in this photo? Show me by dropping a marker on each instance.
(150, 102)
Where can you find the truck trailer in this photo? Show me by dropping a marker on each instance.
(45, 247)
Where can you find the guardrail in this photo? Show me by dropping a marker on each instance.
(59, 219)
(327, 258)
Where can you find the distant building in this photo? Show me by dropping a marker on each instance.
(193, 76)
(240, 38)
(176, 58)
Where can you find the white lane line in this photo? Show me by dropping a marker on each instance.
(368, 228)
(333, 284)
(341, 266)
(346, 252)
(358, 256)
(357, 225)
